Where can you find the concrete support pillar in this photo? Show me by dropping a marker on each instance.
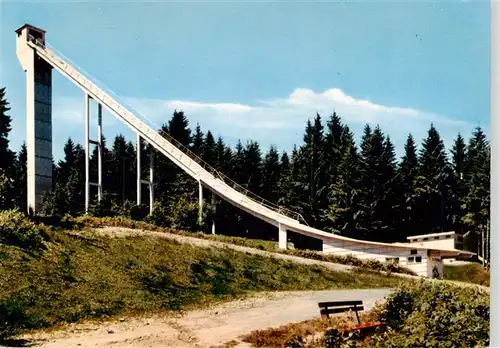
(87, 152)
(38, 117)
(151, 181)
(99, 151)
(282, 237)
(200, 202)
(215, 210)
(139, 182)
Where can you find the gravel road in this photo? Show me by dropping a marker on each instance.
(203, 328)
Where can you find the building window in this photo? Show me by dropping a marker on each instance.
(426, 238)
(448, 237)
(418, 259)
(436, 238)
(413, 252)
(411, 259)
(392, 259)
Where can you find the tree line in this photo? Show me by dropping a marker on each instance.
(362, 191)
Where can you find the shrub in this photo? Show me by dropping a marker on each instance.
(13, 318)
(16, 229)
(101, 208)
(435, 314)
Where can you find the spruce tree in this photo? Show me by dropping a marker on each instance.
(210, 151)
(432, 184)
(477, 178)
(408, 171)
(458, 187)
(223, 156)
(375, 176)
(271, 175)
(252, 164)
(22, 178)
(7, 157)
(312, 195)
(198, 139)
(342, 214)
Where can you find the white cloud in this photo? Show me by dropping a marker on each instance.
(281, 121)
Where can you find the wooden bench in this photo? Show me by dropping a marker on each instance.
(327, 308)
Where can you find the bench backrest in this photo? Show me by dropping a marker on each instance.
(328, 308)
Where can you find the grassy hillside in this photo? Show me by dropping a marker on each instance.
(471, 273)
(118, 221)
(59, 276)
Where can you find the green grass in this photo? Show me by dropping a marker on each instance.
(471, 273)
(91, 276)
(89, 221)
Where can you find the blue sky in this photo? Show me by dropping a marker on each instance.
(260, 70)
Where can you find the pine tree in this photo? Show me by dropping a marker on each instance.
(408, 171)
(198, 141)
(6, 155)
(342, 213)
(477, 179)
(285, 182)
(210, 151)
(458, 188)
(68, 163)
(432, 184)
(237, 173)
(271, 175)
(252, 167)
(22, 178)
(223, 156)
(312, 195)
(389, 204)
(178, 128)
(375, 177)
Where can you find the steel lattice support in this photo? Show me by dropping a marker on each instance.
(214, 205)
(200, 202)
(149, 182)
(97, 143)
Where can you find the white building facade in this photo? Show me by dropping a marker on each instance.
(425, 259)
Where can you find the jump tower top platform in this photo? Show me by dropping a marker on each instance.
(38, 60)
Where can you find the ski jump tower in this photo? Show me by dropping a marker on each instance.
(38, 115)
(38, 60)
(39, 125)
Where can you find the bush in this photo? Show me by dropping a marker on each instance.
(13, 318)
(159, 217)
(16, 229)
(435, 314)
(101, 208)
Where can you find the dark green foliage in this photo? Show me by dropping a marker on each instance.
(16, 230)
(356, 191)
(406, 191)
(21, 179)
(271, 175)
(433, 184)
(435, 315)
(6, 155)
(14, 319)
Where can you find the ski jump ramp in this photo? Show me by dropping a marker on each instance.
(38, 60)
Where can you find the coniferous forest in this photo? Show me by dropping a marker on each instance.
(357, 190)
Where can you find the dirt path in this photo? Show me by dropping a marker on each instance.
(120, 231)
(203, 328)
